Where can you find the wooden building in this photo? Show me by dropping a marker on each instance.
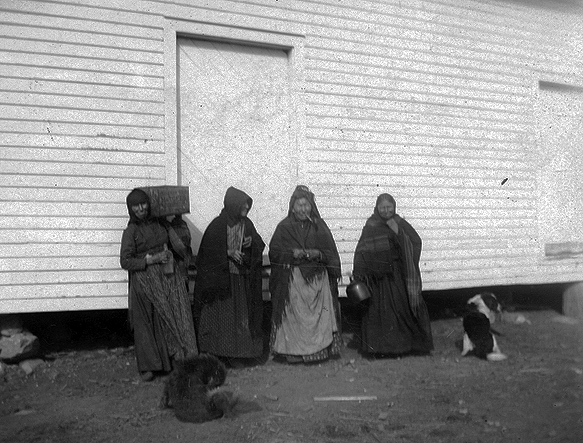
(468, 111)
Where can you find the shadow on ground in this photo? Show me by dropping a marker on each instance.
(75, 330)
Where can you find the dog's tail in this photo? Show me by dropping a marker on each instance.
(496, 356)
(230, 404)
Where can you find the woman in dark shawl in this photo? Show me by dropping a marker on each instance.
(387, 256)
(305, 268)
(228, 290)
(159, 309)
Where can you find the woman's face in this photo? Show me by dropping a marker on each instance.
(386, 209)
(302, 208)
(141, 210)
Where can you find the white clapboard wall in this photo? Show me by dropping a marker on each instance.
(433, 101)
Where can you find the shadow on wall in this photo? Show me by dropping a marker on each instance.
(451, 303)
(195, 233)
(73, 330)
(87, 330)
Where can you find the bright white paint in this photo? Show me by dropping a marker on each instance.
(435, 101)
(235, 130)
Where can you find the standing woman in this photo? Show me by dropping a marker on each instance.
(159, 310)
(305, 268)
(228, 287)
(387, 256)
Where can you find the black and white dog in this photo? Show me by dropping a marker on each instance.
(478, 335)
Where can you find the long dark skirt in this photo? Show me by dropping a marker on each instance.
(224, 324)
(389, 326)
(161, 317)
(149, 341)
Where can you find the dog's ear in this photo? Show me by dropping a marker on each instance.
(491, 301)
(473, 304)
(474, 300)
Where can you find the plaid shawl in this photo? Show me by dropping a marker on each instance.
(377, 249)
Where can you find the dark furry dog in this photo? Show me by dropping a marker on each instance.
(192, 390)
(478, 334)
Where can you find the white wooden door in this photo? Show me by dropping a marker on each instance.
(234, 130)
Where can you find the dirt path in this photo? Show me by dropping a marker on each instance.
(534, 396)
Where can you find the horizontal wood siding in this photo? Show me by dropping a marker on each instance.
(82, 105)
(431, 101)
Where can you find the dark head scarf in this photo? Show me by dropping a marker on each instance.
(384, 197)
(134, 198)
(303, 191)
(233, 203)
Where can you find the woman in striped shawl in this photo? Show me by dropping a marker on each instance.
(396, 321)
(159, 308)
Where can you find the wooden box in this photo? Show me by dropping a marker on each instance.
(168, 200)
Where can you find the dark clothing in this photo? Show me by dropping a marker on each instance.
(396, 320)
(159, 311)
(229, 295)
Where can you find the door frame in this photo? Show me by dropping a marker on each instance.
(291, 41)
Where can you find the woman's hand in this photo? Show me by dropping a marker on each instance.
(392, 223)
(308, 254)
(246, 242)
(299, 253)
(160, 257)
(235, 255)
(313, 254)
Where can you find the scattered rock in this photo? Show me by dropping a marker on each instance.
(565, 320)
(25, 412)
(18, 347)
(28, 366)
(10, 324)
(515, 317)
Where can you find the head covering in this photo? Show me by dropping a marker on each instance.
(134, 198)
(303, 191)
(233, 203)
(385, 197)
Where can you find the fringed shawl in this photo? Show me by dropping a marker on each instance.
(291, 234)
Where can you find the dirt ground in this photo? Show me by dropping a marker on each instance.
(91, 392)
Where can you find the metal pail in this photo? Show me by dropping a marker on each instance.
(357, 291)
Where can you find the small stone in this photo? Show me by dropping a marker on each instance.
(25, 412)
(18, 347)
(10, 324)
(28, 366)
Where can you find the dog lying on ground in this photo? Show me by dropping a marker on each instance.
(479, 337)
(192, 390)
